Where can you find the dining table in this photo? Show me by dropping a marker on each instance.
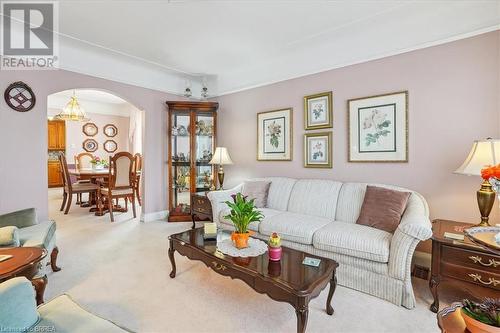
(91, 174)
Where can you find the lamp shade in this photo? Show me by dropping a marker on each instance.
(221, 156)
(482, 154)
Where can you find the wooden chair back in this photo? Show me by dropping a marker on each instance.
(137, 163)
(65, 172)
(82, 160)
(121, 170)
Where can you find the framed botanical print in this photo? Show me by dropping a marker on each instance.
(378, 128)
(318, 150)
(318, 111)
(274, 135)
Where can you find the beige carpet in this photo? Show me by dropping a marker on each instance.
(120, 271)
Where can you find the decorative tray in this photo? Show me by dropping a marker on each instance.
(484, 236)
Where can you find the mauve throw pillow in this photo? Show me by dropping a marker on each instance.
(258, 190)
(382, 208)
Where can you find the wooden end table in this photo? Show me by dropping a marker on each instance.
(201, 207)
(25, 262)
(463, 262)
(287, 280)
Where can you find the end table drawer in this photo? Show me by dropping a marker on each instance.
(476, 276)
(472, 259)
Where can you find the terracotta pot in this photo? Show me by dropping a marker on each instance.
(476, 326)
(240, 240)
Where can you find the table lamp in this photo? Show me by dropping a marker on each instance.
(221, 157)
(483, 153)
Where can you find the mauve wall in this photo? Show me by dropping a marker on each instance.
(453, 100)
(23, 166)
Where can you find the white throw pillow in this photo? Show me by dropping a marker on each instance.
(9, 236)
(257, 190)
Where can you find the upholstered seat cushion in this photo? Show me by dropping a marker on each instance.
(64, 315)
(118, 192)
(254, 226)
(17, 305)
(9, 236)
(38, 235)
(293, 227)
(355, 240)
(84, 187)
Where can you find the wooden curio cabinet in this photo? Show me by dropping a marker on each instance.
(191, 142)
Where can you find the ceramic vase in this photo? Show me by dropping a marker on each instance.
(274, 253)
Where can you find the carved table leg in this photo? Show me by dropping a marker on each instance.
(433, 286)
(302, 314)
(39, 284)
(171, 252)
(333, 285)
(53, 259)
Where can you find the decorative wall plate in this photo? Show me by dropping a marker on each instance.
(19, 97)
(90, 145)
(110, 146)
(90, 129)
(110, 130)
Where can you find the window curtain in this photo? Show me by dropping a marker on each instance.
(135, 131)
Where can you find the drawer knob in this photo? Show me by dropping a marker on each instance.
(200, 201)
(479, 260)
(491, 281)
(218, 267)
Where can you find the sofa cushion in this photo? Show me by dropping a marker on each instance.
(64, 315)
(293, 227)
(38, 235)
(279, 192)
(21, 218)
(257, 190)
(9, 236)
(317, 197)
(17, 305)
(382, 208)
(254, 226)
(355, 240)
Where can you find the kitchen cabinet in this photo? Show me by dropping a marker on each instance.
(54, 174)
(56, 135)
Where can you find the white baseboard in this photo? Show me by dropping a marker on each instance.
(154, 216)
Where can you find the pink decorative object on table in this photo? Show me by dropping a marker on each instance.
(275, 247)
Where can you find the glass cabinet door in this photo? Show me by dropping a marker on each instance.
(204, 148)
(181, 165)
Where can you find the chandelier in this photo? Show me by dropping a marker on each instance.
(72, 111)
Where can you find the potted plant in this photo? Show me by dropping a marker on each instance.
(482, 317)
(243, 212)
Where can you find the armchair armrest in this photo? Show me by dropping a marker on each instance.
(17, 305)
(218, 199)
(21, 218)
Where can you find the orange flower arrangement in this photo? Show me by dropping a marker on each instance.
(491, 172)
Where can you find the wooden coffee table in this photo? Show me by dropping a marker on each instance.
(25, 262)
(285, 281)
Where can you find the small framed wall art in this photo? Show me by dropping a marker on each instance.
(318, 150)
(318, 111)
(90, 145)
(378, 128)
(110, 130)
(19, 97)
(90, 129)
(110, 146)
(274, 135)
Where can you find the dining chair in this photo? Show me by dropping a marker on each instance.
(121, 182)
(138, 172)
(72, 188)
(82, 161)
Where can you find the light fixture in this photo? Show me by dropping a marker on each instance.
(204, 92)
(187, 91)
(483, 153)
(72, 111)
(221, 157)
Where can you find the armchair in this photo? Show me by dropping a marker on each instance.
(32, 233)
(18, 312)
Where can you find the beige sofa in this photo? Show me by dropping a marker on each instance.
(319, 217)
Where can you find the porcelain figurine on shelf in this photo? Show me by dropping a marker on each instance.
(275, 247)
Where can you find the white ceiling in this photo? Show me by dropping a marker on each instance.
(241, 44)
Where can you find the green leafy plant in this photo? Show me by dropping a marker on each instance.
(487, 312)
(243, 212)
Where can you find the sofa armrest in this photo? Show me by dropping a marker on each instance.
(218, 199)
(18, 311)
(21, 218)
